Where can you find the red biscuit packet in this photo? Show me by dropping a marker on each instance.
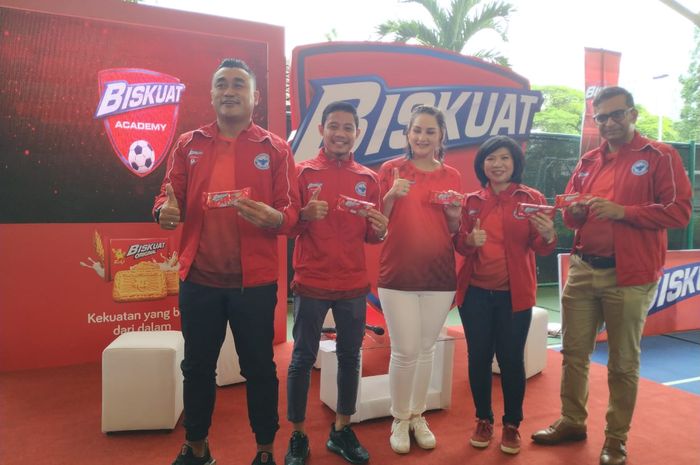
(313, 189)
(446, 198)
(530, 209)
(224, 199)
(565, 200)
(354, 206)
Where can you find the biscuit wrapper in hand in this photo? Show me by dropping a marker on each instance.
(224, 199)
(354, 206)
(565, 200)
(447, 198)
(527, 210)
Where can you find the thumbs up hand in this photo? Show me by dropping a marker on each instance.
(315, 209)
(477, 237)
(400, 187)
(170, 211)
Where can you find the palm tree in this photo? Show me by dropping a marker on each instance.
(454, 27)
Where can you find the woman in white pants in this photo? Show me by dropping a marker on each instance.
(417, 280)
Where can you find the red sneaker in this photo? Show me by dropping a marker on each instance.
(482, 434)
(510, 441)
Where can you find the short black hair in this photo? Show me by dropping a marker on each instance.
(613, 91)
(439, 118)
(339, 105)
(236, 63)
(490, 146)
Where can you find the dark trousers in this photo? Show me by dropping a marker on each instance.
(349, 316)
(491, 327)
(205, 311)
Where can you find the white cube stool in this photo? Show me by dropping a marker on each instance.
(373, 398)
(142, 381)
(228, 370)
(535, 345)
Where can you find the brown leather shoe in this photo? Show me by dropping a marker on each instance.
(559, 432)
(613, 453)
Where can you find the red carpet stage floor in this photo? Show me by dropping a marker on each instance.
(52, 416)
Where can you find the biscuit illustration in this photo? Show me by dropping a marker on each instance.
(145, 266)
(99, 247)
(137, 285)
(172, 282)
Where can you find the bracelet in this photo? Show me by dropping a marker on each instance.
(281, 220)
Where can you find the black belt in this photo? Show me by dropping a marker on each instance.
(596, 261)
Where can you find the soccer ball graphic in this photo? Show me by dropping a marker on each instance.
(141, 156)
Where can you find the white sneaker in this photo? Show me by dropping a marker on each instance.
(399, 440)
(424, 437)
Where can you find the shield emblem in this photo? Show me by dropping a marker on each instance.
(139, 109)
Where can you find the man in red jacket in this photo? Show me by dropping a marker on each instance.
(228, 256)
(330, 272)
(639, 188)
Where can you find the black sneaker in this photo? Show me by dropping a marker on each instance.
(345, 444)
(298, 449)
(187, 457)
(263, 458)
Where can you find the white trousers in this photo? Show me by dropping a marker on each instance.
(414, 320)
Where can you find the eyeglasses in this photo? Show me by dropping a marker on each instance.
(617, 116)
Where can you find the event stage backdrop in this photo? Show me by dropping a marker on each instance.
(93, 95)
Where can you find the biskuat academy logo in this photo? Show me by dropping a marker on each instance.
(139, 108)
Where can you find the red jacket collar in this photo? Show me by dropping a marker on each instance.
(487, 192)
(511, 191)
(638, 142)
(253, 132)
(322, 162)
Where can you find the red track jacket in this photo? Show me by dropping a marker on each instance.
(264, 163)
(652, 185)
(329, 253)
(520, 236)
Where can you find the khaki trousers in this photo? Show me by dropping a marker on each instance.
(591, 297)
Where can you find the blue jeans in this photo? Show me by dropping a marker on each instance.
(249, 312)
(349, 316)
(491, 326)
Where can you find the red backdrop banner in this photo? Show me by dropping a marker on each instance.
(602, 68)
(77, 189)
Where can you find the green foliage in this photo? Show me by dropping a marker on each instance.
(561, 112)
(689, 126)
(648, 125)
(452, 28)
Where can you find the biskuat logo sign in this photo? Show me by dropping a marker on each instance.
(139, 108)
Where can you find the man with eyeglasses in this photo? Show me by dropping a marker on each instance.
(636, 188)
